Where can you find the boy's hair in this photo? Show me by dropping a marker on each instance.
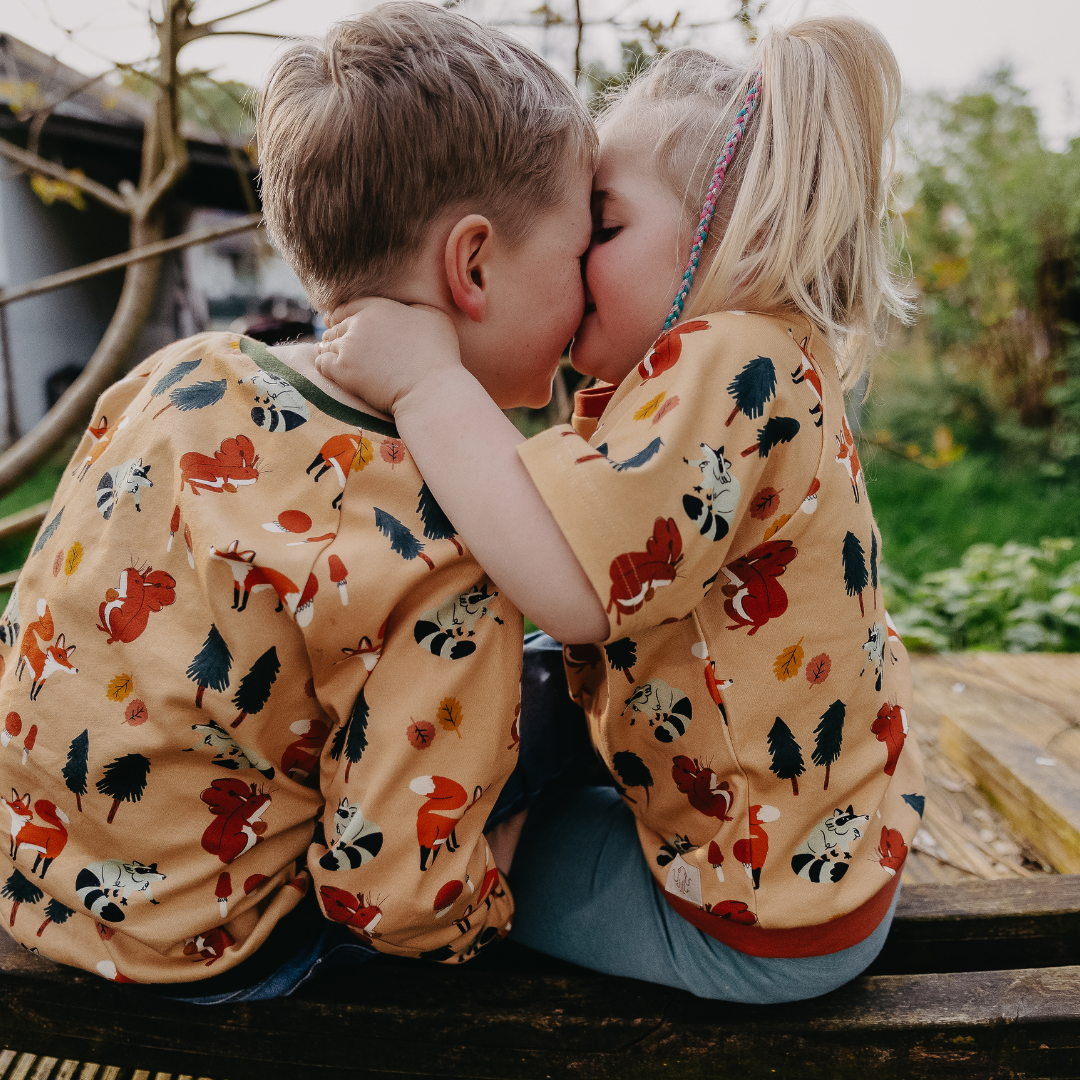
(803, 216)
(395, 116)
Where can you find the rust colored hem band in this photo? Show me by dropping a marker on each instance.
(796, 941)
(592, 401)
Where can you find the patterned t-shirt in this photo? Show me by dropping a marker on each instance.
(248, 653)
(751, 697)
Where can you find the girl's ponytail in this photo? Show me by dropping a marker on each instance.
(802, 217)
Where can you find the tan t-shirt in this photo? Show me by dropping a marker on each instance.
(751, 697)
(248, 651)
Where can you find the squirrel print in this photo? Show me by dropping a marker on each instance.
(125, 612)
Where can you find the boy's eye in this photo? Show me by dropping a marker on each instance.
(602, 235)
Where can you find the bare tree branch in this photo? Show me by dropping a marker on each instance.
(127, 258)
(233, 15)
(91, 187)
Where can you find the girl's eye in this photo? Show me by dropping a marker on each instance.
(602, 236)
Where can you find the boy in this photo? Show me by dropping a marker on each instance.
(253, 654)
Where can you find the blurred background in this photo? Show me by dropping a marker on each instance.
(970, 426)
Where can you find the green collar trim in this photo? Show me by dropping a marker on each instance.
(259, 354)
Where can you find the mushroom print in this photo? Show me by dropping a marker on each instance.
(447, 897)
(293, 521)
(12, 727)
(28, 742)
(223, 892)
(338, 574)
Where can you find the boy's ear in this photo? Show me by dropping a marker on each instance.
(468, 252)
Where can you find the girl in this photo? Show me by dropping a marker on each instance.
(706, 519)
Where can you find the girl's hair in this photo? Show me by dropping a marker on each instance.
(803, 215)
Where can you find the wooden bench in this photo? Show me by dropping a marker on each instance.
(978, 980)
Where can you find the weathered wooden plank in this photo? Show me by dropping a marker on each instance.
(1042, 801)
(1052, 678)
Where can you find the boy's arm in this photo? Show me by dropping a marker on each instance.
(466, 450)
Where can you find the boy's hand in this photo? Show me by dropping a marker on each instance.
(379, 349)
(503, 840)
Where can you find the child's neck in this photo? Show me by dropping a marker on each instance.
(301, 358)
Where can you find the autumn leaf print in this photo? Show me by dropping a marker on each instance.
(136, 713)
(855, 577)
(786, 665)
(171, 378)
(392, 451)
(120, 686)
(665, 408)
(777, 430)
(633, 772)
(752, 388)
(57, 563)
(764, 504)
(364, 456)
(74, 557)
(421, 734)
(817, 670)
(830, 734)
(450, 715)
(776, 526)
(649, 407)
(787, 759)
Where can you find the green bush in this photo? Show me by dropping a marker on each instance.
(1013, 598)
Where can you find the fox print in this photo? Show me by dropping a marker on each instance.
(47, 843)
(667, 709)
(130, 477)
(43, 662)
(444, 630)
(712, 507)
(100, 883)
(830, 841)
(356, 840)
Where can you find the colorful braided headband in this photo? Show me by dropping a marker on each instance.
(722, 162)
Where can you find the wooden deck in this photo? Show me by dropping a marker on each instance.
(980, 977)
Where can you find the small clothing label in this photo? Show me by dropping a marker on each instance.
(685, 880)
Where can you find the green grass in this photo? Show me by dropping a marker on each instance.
(39, 488)
(929, 518)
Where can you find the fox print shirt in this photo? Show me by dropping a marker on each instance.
(751, 699)
(248, 656)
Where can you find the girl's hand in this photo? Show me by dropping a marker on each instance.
(380, 350)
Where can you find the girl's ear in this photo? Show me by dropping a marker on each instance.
(468, 256)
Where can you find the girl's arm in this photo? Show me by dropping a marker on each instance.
(466, 450)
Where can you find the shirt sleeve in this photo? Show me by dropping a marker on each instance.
(420, 750)
(707, 426)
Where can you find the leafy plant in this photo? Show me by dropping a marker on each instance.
(1013, 598)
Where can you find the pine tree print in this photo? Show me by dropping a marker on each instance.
(197, 396)
(21, 891)
(830, 733)
(124, 781)
(787, 759)
(752, 388)
(622, 656)
(402, 541)
(437, 525)
(855, 577)
(211, 665)
(55, 912)
(171, 378)
(74, 772)
(633, 772)
(873, 565)
(254, 689)
(351, 737)
(777, 429)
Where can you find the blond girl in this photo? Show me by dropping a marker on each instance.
(705, 521)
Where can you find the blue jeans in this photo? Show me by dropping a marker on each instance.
(583, 892)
